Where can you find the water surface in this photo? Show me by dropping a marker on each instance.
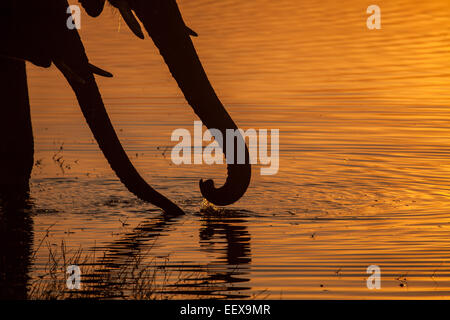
(364, 151)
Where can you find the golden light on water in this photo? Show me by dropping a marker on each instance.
(364, 146)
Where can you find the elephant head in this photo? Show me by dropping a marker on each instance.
(37, 31)
(163, 22)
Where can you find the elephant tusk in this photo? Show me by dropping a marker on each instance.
(11, 57)
(70, 72)
(191, 32)
(98, 71)
(44, 63)
(129, 18)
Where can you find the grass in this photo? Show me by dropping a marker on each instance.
(133, 279)
(137, 276)
(140, 277)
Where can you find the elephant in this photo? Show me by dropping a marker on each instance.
(37, 32)
(164, 23)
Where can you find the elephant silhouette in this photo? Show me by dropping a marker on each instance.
(36, 31)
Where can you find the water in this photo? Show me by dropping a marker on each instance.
(364, 147)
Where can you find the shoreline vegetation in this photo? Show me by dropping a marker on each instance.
(100, 279)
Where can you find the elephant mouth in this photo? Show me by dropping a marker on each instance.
(93, 7)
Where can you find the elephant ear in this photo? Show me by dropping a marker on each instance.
(93, 7)
(21, 30)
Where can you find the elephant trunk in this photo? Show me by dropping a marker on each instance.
(74, 65)
(97, 118)
(172, 37)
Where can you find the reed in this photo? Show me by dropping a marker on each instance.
(140, 277)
